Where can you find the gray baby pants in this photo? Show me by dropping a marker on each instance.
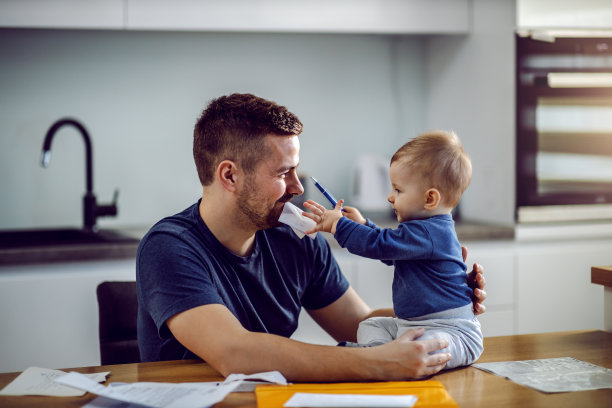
(459, 326)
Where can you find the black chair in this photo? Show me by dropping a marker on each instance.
(117, 310)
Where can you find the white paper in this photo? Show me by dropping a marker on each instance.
(39, 381)
(183, 395)
(552, 374)
(293, 217)
(247, 383)
(301, 399)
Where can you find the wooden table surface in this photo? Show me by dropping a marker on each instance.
(469, 386)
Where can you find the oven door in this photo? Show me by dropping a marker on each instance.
(564, 132)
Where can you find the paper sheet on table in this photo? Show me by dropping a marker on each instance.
(300, 399)
(184, 395)
(247, 383)
(39, 381)
(293, 217)
(153, 394)
(552, 374)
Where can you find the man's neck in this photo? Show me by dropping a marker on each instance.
(220, 221)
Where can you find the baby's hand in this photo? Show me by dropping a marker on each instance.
(326, 219)
(353, 214)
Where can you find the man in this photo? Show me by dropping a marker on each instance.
(224, 281)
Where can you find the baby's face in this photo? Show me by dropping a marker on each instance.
(407, 195)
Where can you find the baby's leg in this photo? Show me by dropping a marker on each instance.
(458, 346)
(376, 331)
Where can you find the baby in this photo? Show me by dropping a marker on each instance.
(428, 176)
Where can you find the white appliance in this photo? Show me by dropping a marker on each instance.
(370, 184)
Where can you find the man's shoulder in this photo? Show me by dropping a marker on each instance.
(177, 225)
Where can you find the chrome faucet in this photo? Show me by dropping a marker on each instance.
(91, 210)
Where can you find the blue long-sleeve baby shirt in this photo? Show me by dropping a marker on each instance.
(430, 275)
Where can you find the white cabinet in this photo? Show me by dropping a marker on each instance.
(49, 313)
(299, 16)
(564, 14)
(554, 285)
(336, 16)
(90, 14)
(499, 262)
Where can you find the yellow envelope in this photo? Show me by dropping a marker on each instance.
(429, 393)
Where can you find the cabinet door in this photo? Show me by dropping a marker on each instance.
(302, 16)
(49, 313)
(554, 285)
(498, 260)
(90, 14)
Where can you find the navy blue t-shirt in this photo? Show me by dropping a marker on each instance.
(181, 265)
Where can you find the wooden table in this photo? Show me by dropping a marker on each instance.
(469, 386)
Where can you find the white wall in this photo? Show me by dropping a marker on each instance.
(139, 93)
(470, 88)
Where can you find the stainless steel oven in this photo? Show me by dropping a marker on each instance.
(564, 129)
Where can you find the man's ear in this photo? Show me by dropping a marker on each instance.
(432, 199)
(227, 174)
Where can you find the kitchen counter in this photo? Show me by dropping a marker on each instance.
(86, 251)
(470, 231)
(127, 249)
(602, 275)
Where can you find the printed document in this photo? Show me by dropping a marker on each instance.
(552, 374)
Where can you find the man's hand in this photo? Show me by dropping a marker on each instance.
(477, 282)
(410, 358)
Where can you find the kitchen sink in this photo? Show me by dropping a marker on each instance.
(29, 238)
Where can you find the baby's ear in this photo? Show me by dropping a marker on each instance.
(432, 199)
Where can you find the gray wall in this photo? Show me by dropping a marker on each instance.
(471, 89)
(139, 93)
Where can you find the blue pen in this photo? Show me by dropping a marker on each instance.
(329, 197)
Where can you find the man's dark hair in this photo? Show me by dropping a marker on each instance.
(233, 127)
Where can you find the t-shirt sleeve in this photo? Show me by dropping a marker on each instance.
(172, 279)
(327, 283)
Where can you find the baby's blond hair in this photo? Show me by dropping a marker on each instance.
(440, 161)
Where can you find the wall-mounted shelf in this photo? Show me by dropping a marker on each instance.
(297, 16)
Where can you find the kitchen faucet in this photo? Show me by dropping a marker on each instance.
(91, 210)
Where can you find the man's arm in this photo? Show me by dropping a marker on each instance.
(215, 335)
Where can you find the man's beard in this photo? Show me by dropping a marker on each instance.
(252, 206)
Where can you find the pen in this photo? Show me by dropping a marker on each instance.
(329, 197)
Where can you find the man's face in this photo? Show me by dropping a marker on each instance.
(272, 184)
